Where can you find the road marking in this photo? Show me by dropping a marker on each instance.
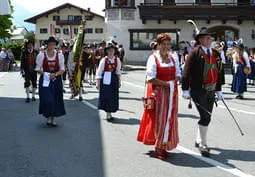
(237, 110)
(2, 74)
(220, 106)
(215, 163)
(89, 104)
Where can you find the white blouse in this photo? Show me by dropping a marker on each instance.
(151, 71)
(40, 58)
(101, 66)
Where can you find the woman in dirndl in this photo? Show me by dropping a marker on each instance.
(159, 126)
(241, 66)
(50, 65)
(108, 81)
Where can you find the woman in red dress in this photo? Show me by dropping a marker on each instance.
(159, 126)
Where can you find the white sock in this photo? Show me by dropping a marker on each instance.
(198, 137)
(27, 91)
(33, 92)
(203, 134)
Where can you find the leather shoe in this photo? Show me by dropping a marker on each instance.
(204, 150)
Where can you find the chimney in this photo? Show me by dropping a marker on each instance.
(89, 9)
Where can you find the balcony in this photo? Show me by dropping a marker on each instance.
(68, 22)
(185, 11)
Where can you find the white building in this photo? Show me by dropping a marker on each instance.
(18, 34)
(135, 23)
(63, 21)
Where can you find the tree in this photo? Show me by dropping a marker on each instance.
(6, 24)
(30, 36)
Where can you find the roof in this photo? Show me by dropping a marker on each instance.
(18, 31)
(63, 6)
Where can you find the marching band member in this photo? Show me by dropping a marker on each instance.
(50, 65)
(159, 126)
(108, 81)
(200, 81)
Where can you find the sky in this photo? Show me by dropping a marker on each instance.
(24, 9)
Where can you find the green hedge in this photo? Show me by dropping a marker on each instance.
(16, 48)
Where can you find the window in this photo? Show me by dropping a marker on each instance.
(77, 18)
(57, 30)
(70, 17)
(140, 39)
(89, 30)
(75, 30)
(66, 31)
(99, 30)
(203, 2)
(121, 3)
(43, 30)
(56, 18)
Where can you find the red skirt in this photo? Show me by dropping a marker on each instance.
(159, 127)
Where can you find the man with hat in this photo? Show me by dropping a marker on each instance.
(201, 80)
(28, 64)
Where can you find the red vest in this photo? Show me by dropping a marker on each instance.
(110, 66)
(210, 70)
(165, 73)
(50, 65)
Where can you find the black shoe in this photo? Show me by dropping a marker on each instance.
(239, 97)
(204, 150)
(33, 99)
(27, 100)
(54, 124)
(196, 145)
(80, 98)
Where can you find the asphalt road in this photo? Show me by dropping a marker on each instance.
(85, 145)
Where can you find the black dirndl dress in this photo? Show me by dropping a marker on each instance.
(239, 84)
(51, 98)
(109, 94)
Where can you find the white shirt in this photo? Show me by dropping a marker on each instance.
(151, 71)
(246, 58)
(40, 58)
(3, 54)
(205, 49)
(101, 66)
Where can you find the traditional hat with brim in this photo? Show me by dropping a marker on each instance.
(109, 45)
(203, 32)
(51, 39)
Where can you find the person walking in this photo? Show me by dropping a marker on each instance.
(50, 65)
(200, 81)
(27, 69)
(159, 126)
(108, 81)
(241, 66)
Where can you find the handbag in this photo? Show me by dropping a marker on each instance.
(246, 70)
(148, 102)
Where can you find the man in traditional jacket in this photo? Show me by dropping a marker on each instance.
(201, 81)
(28, 63)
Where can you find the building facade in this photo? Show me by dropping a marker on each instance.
(135, 23)
(63, 21)
(18, 34)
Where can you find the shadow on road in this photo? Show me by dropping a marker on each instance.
(30, 148)
(180, 115)
(129, 121)
(224, 155)
(182, 159)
